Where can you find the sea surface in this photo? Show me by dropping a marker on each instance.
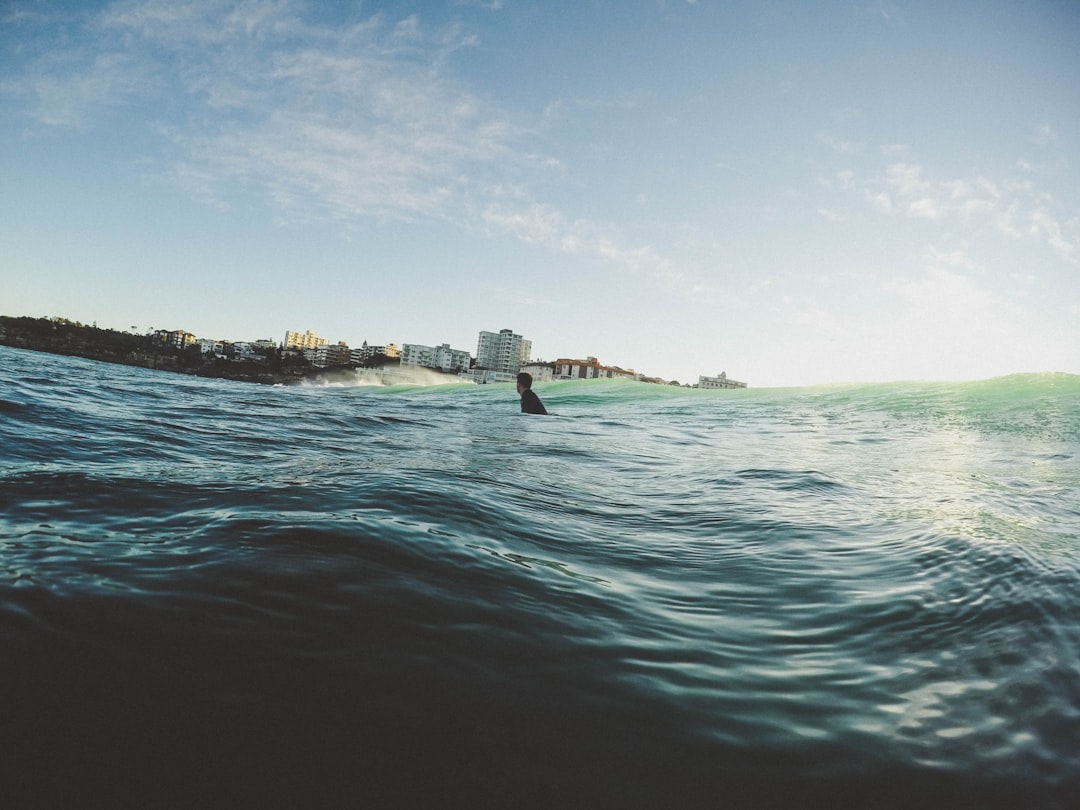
(219, 594)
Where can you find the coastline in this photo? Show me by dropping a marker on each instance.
(123, 348)
(263, 366)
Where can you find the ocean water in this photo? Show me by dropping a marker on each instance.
(216, 594)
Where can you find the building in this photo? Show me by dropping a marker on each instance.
(178, 338)
(483, 376)
(307, 340)
(240, 350)
(327, 354)
(503, 353)
(364, 353)
(589, 369)
(720, 381)
(540, 371)
(440, 357)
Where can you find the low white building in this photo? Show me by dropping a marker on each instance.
(589, 369)
(440, 357)
(719, 381)
(484, 376)
(540, 371)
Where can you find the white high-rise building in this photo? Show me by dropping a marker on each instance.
(504, 352)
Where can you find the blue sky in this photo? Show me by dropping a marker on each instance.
(794, 193)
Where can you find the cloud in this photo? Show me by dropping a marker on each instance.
(881, 201)
(949, 259)
(924, 208)
(906, 179)
(1014, 208)
(1043, 226)
(489, 5)
(1045, 135)
(946, 296)
(333, 120)
(839, 144)
(544, 225)
(811, 319)
(888, 12)
(527, 298)
(71, 90)
(945, 316)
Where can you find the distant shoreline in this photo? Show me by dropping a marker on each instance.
(71, 339)
(264, 366)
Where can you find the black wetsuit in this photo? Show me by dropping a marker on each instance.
(530, 402)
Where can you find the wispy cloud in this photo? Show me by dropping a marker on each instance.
(544, 225)
(840, 145)
(1045, 134)
(73, 90)
(1015, 208)
(829, 214)
(946, 291)
(344, 121)
(811, 318)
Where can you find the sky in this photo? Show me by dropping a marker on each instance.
(792, 193)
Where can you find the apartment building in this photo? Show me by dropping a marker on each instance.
(440, 357)
(366, 352)
(327, 354)
(307, 340)
(502, 352)
(589, 369)
(177, 338)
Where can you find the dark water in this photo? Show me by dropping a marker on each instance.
(219, 594)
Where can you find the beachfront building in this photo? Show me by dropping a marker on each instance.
(540, 371)
(502, 352)
(440, 357)
(307, 340)
(240, 350)
(366, 352)
(589, 369)
(177, 338)
(719, 381)
(327, 354)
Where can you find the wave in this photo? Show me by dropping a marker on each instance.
(837, 596)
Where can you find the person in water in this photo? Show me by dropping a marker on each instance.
(530, 402)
